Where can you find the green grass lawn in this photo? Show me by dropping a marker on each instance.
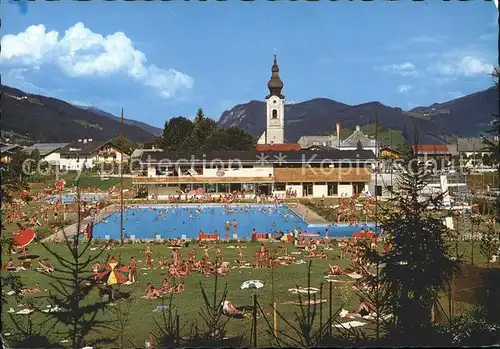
(190, 302)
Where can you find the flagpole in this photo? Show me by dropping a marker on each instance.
(377, 167)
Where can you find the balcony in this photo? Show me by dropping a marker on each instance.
(200, 179)
(298, 175)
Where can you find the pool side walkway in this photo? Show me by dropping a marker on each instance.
(71, 230)
(307, 214)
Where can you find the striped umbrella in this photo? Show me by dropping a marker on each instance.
(287, 238)
(113, 273)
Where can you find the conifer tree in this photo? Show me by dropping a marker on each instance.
(71, 285)
(418, 265)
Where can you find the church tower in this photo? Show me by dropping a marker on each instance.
(275, 109)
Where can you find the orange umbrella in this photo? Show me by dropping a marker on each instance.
(23, 238)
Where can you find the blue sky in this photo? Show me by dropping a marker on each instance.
(164, 59)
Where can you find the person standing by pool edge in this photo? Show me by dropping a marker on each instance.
(235, 227)
(326, 233)
(133, 269)
(227, 226)
(148, 256)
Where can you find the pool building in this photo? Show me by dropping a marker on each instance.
(305, 173)
(272, 168)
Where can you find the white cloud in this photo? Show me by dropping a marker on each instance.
(404, 88)
(466, 66)
(403, 69)
(81, 52)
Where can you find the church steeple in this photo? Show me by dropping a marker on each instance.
(275, 84)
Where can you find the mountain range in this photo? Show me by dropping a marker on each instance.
(47, 119)
(466, 116)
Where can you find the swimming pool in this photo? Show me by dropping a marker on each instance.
(172, 221)
(71, 197)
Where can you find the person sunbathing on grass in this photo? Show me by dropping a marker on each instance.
(179, 288)
(314, 254)
(46, 266)
(183, 270)
(364, 308)
(152, 292)
(196, 266)
(35, 289)
(173, 271)
(229, 309)
(10, 266)
(164, 263)
(335, 270)
(165, 287)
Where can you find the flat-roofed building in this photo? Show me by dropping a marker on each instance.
(303, 173)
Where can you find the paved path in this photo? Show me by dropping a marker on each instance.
(307, 214)
(71, 230)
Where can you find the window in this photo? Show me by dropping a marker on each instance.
(333, 189)
(223, 188)
(248, 187)
(279, 187)
(210, 188)
(307, 189)
(275, 114)
(235, 187)
(358, 187)
(186, 188)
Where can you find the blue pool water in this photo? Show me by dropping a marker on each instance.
(145, 222)
(69, 198)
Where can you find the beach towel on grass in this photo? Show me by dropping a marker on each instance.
(24, 311)
(355, 275)
(350, 324)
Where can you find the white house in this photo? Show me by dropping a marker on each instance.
(48, 151)
(86, 153)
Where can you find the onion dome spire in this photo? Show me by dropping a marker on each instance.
(275, 84)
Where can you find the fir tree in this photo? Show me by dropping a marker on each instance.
(71, 285)
(418, 265)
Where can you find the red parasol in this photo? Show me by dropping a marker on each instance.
(113, 273)
(60, 184)
(25, 194)
(23, 238)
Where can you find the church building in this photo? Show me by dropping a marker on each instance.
(275, 109)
